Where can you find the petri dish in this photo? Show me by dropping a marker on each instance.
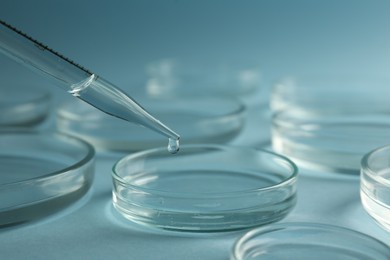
(41, 173)
(204, 188)
(333, 143)
(329, 123)
(307, 241)
(23, 105)
(204, 120)
(375, 185)
(322, 95)
(172, 77)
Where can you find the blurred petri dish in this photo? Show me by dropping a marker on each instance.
(23, 105)
(204, 188)
(329, 124)
(307, 241)
(173, 77)
(323, 95)
(375, 185)
(41, 173)
(205, 120)
(332, 143)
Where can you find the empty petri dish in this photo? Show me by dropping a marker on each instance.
(329, 124)
(332, 143)
(205, 120)
(204, 188)
(41, 174)
(307, 241)
(23, 105)
(375, 185)
(174, 77)
(331, 94)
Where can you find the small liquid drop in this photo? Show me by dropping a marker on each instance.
(173, 145)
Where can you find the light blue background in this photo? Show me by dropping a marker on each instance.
(116, 39)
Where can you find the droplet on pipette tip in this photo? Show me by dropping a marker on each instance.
(173, 145)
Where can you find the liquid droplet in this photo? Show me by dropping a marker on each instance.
(173, 145)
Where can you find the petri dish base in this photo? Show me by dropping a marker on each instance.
(375, 185)
(305, 241)
(198, 121)
(204, 188)
(41, 173)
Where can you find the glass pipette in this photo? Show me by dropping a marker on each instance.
(79, 81)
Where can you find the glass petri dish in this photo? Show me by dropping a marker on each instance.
(307, 241)
(329, 123)
(41, 173)
(23, 105)
(204, 188)
(375, 185)
(205, 120)
(323, 95)
(172, 77)
(332, 143)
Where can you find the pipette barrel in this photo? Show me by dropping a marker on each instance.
(76, 79)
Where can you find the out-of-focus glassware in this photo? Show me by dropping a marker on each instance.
(41, 173)
(329, 123)
(375, 185)
(298, 241)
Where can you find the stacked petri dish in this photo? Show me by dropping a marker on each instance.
(375, 185)
(329, 123)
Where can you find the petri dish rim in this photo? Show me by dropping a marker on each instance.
(292, 119)
(292, 177)
(87, 158)
(236, 251)
(289, 89)
(367, 170)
